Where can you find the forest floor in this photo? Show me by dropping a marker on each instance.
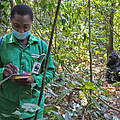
(114, 91)
(61, 104)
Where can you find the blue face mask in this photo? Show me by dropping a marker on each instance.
(21, 36)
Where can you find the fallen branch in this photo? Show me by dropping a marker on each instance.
(118, 110)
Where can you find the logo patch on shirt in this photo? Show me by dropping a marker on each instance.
(36, 67)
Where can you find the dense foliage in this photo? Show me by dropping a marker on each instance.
(68, 96)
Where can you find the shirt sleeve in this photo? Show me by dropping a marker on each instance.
(49, 74)
(1, 73)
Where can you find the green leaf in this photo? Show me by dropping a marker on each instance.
(58, 115)
(28, 107)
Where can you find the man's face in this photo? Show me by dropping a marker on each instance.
(21, 23)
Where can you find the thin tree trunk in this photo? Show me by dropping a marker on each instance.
(90, 50)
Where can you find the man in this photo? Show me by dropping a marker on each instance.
(21, 53)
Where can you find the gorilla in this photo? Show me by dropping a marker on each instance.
(113, 68)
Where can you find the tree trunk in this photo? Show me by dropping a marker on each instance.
(12, 3)
(110, 43)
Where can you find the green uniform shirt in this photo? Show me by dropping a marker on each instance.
(13, 95)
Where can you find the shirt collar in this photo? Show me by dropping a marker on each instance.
(11, 38)
(32, 39)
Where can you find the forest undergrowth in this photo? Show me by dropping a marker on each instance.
(69, 96)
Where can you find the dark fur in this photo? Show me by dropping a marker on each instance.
(113, 68)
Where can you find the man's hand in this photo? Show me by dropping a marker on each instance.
(27, 81)
(10, 69)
